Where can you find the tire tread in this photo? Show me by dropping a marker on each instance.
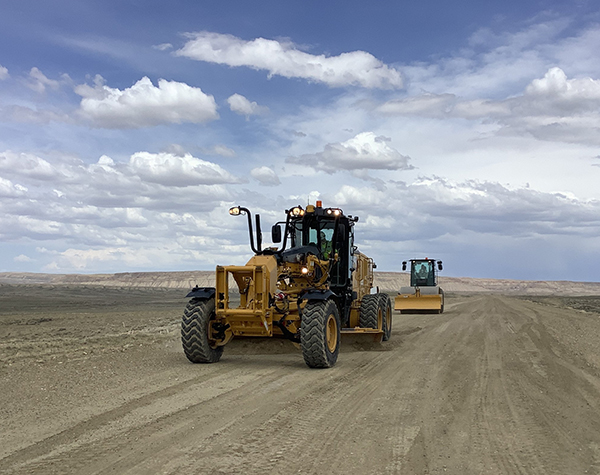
(313, 334)
(194, 332)
(369, 307)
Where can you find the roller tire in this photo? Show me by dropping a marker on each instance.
(386, 306)
(371, 315)
(197, 346)
(320, 334)
(443, 298)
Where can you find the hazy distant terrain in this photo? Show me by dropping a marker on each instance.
(389, 281)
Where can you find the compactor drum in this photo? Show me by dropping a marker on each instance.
(424, 294)
(312, 289)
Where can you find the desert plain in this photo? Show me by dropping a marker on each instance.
(93, 380)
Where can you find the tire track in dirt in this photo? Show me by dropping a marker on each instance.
(99, 438)
(495, 417)
(118, 422)
(525, 427)
(269, 444)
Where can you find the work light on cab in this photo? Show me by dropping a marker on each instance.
(297, 211)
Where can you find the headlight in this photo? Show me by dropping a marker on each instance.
(305, 270)
(297, 211)
(235, 211)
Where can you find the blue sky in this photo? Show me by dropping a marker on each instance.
(471, 134)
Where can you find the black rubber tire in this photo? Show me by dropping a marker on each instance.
(386, 307)
(194, 332)
(320, 333)
(371, 315)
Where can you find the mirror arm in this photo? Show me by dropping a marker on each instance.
(258, 234)
(247, 211)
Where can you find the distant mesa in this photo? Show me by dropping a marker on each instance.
(386, 281)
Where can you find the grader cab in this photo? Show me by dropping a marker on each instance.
(311, 289)
(424, 294)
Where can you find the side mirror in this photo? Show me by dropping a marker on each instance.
(276, 233)
(404, 265)
(440, 267)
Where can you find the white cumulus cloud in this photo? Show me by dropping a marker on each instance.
(145, 105)
(9, 190)
(3, 73)
(174, 170)
(221, 150)
(240, 105)
(356, 68)
(265, 176)
(29, 165)
(555, 85)
(39, 82)
(365, 151)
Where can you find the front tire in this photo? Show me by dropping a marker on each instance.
(320, 334)
(195, 332)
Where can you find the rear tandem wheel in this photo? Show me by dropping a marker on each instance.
(371, 312)
(386, 305)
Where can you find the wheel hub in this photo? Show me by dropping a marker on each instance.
(331, 333)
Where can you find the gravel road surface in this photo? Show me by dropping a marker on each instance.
(93, 381)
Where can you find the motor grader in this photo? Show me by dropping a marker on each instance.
(424, 294)
(311, 289)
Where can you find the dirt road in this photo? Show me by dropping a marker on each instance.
(94, 381)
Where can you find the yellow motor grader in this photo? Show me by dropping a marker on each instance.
(310, 290)
(424, 294)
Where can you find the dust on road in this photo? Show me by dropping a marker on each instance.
(94, 381)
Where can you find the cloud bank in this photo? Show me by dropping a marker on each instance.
(553, 108)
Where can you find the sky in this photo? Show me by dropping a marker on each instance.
(470, 135)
